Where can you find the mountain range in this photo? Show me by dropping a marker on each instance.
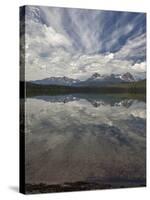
(95, 80)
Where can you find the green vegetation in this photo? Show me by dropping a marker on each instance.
(130, 90)
(139, 87)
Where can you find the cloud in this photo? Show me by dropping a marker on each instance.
(109, 132)
(110, 56)
(134, 48)
(79, 42)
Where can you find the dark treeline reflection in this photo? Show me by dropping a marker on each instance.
(95, 99)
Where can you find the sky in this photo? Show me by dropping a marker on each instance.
(79, 42)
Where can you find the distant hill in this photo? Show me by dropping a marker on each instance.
(95, 80)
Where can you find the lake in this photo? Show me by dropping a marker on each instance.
(79, 142)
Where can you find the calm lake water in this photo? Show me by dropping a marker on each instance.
(90, 138)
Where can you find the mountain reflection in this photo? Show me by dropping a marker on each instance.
(85, 137)
(94, 99)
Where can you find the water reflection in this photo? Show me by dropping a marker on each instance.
(85, 138)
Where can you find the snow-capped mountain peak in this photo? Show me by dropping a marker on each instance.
(57, 81)
(95, 80)
(95, 75)
(127, 77)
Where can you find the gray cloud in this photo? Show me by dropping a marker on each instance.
(77, 43)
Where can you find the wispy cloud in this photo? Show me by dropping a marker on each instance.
(79, 42)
